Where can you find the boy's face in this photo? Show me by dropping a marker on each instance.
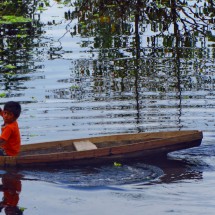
(8, 116)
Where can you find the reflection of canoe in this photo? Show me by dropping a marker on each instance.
(98, 149)
(175, 169)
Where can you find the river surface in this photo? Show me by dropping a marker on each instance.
(70, 87)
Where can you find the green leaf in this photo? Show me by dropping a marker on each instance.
(14, 19)
(22, 209)
(2, 95)
(117, 164)
(10, 66)
(22, 36)
(41, 8)
(74, 87)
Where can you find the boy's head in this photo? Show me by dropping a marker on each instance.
(13, 107)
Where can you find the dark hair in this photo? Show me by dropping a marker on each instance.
(13, 107)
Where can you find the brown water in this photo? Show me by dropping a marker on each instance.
(99, 82)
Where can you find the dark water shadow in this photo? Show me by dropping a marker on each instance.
(179, 166)
(95, 177)
(114, 176)
(117, 177)
(176, 170)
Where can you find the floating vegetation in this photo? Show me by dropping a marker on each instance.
(22, 36)
(117, 164)
(10, 66)
(74, 87)
(10, 73)
(22, 209)
(14, 19)
(34, 99)
(2, 95)
(41, 9)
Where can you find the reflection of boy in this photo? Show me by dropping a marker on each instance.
(10, 139)
(11, 187)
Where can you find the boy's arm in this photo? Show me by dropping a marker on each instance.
(1, 112)
(2, 141)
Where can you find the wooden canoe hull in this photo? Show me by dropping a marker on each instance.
(108, 148)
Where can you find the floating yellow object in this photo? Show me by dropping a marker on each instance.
(117, 164)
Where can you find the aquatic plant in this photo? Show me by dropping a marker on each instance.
(117, 164)
(14, 19)
(10, 66)
(2, 95)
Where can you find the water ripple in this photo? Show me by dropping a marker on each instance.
(102, 176)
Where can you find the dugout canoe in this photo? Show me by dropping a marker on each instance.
(104, 148)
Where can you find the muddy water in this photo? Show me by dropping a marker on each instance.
(69, 90)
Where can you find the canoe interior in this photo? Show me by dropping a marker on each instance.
(100, 142)
(67, 146)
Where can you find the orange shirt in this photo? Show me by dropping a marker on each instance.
(11, 134)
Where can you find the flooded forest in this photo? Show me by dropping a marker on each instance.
(83, 68)
(146, 65)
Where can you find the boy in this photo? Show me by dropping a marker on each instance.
(10, 139)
